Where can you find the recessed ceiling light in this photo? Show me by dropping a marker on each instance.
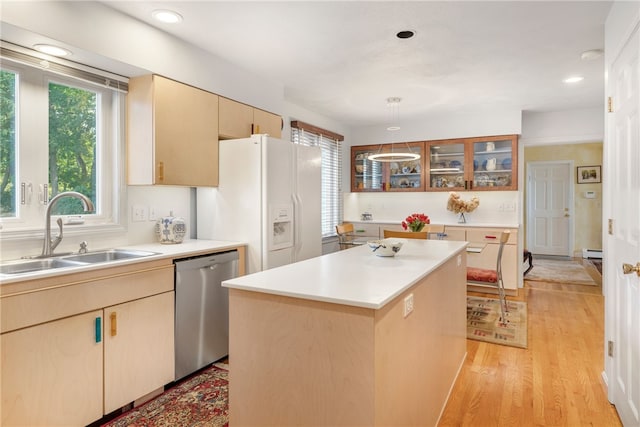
(52, 50)
(588, 55)
(406, 34)
(166, 16)
(573, 79)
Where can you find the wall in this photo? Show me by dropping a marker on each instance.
(587, 212)
(396, 206)
(116, 43)
(562, 127)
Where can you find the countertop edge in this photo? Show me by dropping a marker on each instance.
(236, 284)
(187, 248)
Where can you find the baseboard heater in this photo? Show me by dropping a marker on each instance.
(592, 253)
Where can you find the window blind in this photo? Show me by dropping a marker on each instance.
(331, 154)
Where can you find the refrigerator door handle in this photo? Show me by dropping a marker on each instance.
(296, 222)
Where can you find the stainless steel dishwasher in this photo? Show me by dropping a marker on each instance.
(202, 310)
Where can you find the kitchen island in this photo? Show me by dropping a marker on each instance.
(332, 340)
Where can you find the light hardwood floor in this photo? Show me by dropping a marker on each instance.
(556, 381)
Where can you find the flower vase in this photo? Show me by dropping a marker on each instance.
(462, 219)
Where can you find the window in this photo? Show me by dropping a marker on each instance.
(329, 142)
(61, 129)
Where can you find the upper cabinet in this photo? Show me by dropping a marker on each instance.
(172, 133)
(238, 120)
(394, 175)
(479, 164)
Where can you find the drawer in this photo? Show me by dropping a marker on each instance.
(366, 229)
(490, 235)
(457, 234)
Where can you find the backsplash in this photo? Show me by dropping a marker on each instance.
(496, 207)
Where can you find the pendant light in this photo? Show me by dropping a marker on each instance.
(394, 156)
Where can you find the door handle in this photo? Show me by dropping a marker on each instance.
(628, 268)
(114, 324)
(567, 215)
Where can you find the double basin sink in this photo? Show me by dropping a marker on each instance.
(74, 260)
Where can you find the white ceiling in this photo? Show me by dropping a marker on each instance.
(343, 60)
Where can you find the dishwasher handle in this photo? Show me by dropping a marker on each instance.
(206, 261)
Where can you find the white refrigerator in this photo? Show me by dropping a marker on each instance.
(269, 196)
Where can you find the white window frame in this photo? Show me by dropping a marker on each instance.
(32, 155)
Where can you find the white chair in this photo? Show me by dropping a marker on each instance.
(486, 276)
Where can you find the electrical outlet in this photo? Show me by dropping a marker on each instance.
(152, 213)
(408, 305)
(138, 213)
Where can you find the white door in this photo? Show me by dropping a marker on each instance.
(549, 213)
(622, 242)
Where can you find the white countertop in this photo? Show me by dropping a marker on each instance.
(185, 249)
(354, 276)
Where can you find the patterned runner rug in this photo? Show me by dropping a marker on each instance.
(483, 315)
(200, 400)
(557, 271)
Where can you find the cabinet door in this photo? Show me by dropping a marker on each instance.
(446, 165)
(185, 134)
(235, 119)
(138, 349)
(52, 373)
(366, 175)
(265, 122)
(495, 163)
(406, 175)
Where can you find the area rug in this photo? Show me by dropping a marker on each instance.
(483, 322)
(200, 400)
(568, 272)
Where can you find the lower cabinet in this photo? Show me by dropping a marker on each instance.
(74, 370)
(52, 373)
(138, 349)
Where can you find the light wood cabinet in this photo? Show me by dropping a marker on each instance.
(172, 133)
(235, 119)
(368, 175)
(266, 122)
(67, 361)
(487, 163)
(52, 373)
(238, 120)
(138, 349)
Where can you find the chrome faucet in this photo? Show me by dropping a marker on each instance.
(49, 246)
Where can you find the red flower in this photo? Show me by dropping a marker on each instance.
(416, 222)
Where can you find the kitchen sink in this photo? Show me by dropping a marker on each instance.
(18, 267)
(109, 255)
(76, 260)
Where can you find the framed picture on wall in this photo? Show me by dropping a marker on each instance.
(589, 174)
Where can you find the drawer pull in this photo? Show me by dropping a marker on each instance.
(490, 237)
(98, 329)
(114, 324)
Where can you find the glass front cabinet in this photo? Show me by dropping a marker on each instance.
(395, 174)
(479, 164)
